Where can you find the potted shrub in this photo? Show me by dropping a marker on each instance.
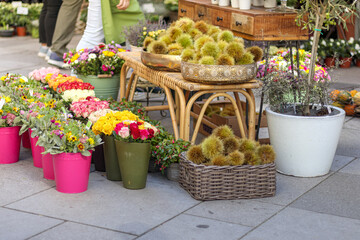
(345, 54)
(7, 18)
(21, 21)
(99, 66)
(133, 148)
(357, 52)
(303, 128)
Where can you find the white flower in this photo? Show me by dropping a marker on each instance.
(331, 40)
(337, 43)
(92, 56)
(351, 40)
(75, 95)
(342, 41)
(311, 38)
(76, 61)
(323, 42)
(357, 46)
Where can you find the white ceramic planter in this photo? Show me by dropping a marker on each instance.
(215, 2)
(270, 3)
(235, 3)
(258, 3)
(304, 146)
(244, 4)
(224, 3)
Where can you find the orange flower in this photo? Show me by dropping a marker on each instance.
(81, 147)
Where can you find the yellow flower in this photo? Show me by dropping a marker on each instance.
(91, 141)
(144, 28)
(31, 100)
(7, 99)
(75, 57)
(1, 111)
(21, 80)
(15, 109)
(108, 53)
(3, 78)
(81, 147)
(144, 33)
(39, 116)
(23, 97)
(122, 50)
(73, 138)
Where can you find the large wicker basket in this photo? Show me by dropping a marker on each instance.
(227, 182)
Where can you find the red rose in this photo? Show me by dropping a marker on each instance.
(134, 130)
(139, 123)
(151, 133)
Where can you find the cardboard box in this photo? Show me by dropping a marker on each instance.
(216, 120)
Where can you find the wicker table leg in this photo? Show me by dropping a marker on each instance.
(124, 70)
(133, 88)
(172, 111)
(128, 88)
(181, 109)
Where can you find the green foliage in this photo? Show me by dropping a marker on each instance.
(134, 107)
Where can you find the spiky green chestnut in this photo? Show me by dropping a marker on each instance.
(235, 50)
(195, 154)
(147, 42)
(239, 40)
(174, 49)
(185, 40)
(225, 59)
(223, 132)
(157, 47)
(266, 153)
(231, 144)
(257, 52)
(215, 36)
(199, 43)
(174, 32)
(247, 145)
(219, 160)
(195, 33)
(212, 147)
(251, 158)
(207, 60)
(222, 45)
(210, 49)
(212, 30)
(236, 158)
(202, 26)
(166, 39)
(185, 24)
(194, 61)
(187, 55)
(247, 58)
(226, 35)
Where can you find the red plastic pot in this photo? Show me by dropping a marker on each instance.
(21, 31)
(345, 62)
(330, 62)
(25, 138)
(36, 151)
(48, 166)
(357, 62)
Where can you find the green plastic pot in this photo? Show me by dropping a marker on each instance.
(104, 87)
(111, 160)
(134, 162)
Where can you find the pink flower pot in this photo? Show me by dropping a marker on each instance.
(71, 172)
(36, 151)
(10, 145)
(47, 164)
(25, 138)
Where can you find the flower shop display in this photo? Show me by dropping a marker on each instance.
(226, 167)
(133, 148)
(304, 130)
(85, 107)
(347, 100)
(99, 66)
(105, 126)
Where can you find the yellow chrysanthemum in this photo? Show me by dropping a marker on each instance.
(108, 53)
(75, 57)
(7, 99)
(3, 78)
(91, 141)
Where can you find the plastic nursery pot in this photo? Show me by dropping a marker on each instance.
(71, 172)
(36, 151)
(134, 162)
(104, 87)
(357, 62)
(330, 62)
(345, 62)
(21, 31)
(48, 167)
(25, 139)
(98, 158)
(111, 160)
(10, 145)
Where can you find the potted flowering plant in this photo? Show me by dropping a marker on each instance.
(357, 52)
(133, 148)
(99, 66)
(345, 51)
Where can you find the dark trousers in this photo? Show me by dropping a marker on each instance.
(47, 21)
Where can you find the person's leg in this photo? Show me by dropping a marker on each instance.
(50, 19)
(42, 33)
(65, 25)
(93, 34)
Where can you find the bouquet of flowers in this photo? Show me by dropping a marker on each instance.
(54, 80)
(102, 59)
(106, 124)
(85, 107)
(134, 131)
(95, 116)
(68, 85)
(40, 74)
(75, 95)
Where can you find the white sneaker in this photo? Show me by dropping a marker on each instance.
(47, 56)
(43, 51)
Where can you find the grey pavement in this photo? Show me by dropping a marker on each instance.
(318, 208)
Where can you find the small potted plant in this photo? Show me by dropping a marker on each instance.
(21, 21)
(344, 50)
(357, 52)
(7, 19)
(99, 66)
(133, 148)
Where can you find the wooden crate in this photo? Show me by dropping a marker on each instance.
(217, 120)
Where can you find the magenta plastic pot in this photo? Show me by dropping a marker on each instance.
(36, 151)
(71, 172)
(48, 166)
(25, 138)
(9, 145)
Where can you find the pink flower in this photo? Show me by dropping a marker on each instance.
(124, 132)
(144, 134)
(104, 68)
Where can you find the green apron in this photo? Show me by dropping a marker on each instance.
(114, 20)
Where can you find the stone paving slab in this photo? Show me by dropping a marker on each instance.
(297, 224)
(249, 213)
(19, 225)
(340, 161)
(352, 168)
(289, 188)
(192, 227)
(75, 231)
(20, 180)
(107, 204)
(338, 195)
(353, 123)
(349, 143)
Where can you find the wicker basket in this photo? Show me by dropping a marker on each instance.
(227, 182)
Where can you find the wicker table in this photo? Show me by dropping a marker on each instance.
(182, 105)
